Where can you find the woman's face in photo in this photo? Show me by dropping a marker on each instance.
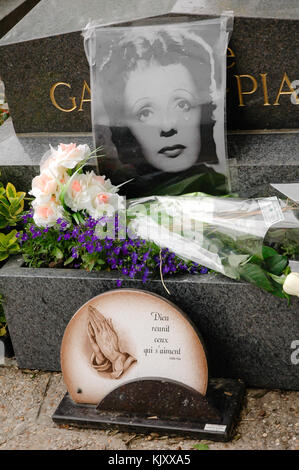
(163, 113)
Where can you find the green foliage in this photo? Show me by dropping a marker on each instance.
(11, 205)
(8, 245)
(267, 273)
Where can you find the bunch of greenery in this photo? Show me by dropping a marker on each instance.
(11, 209)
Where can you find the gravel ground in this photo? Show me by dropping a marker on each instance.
(269, 420)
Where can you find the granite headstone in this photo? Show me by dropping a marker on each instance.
(47, 75)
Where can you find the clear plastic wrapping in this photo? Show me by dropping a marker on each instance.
(219, 233)
(159, 105)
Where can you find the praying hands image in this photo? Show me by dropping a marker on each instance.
(106, 356)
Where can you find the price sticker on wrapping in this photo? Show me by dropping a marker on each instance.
(271, 211)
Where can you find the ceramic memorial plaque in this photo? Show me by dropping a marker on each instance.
(124, 335)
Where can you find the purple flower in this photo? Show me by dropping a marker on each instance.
(134, 257)
(81, 238)
(116, 250)
(203, 270)
(132, 273)
(67, 236)
(24, 237)
(75, 252)
(36, 234)
(108, 244)
(146, 255)
(89, 247)
(145, 275)
(119, 282)
(75, 232)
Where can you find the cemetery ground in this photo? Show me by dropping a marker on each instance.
(269, 420)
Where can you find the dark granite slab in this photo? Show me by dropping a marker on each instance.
(226, 394)
(248, 333)
(262, 46)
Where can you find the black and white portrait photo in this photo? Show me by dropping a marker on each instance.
(158, 95)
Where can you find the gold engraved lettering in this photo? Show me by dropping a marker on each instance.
(265, 89)
(240, 90)
(286, 80)
(54, 102)
(230, 53)
(83, 99)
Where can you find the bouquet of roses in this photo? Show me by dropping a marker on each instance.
(161, 233)
(62, 190)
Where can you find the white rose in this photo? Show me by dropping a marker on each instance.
(46, 213)
(70, 155)
(94, 194)
(105, 203)
(291, 284)
(44, 184)
(78, 194)
(65, 156)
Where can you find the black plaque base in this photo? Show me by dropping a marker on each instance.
(219, 411)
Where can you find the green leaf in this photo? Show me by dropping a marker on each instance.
(3, 255)
(268, 252)
(68, 261)
(10, 191)
(278, 279)
(276, 264)
(11, 235)
(3, 222)
(255, 260)
(236, 260)
(4, 211)
(57, 253)
(4, 201)
(2, 240)
(257, 276)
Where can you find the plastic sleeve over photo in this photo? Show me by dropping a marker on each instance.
(158, 105)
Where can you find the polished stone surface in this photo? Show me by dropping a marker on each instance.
(160, 397)
(248, 333)
(227, 394)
